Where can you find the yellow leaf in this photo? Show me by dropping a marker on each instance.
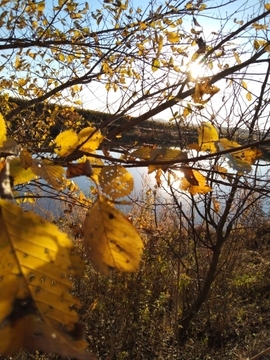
(244, 84)
(202, 7)
(41, 6)
(222, 171)
(267, 6)
(61, 57)
(164, 154)
(216, 205)
(202, 88)
(48, 171)
(155, 65)
(17, 63)
(173, 37)
(90, 139)
(3, 130)
(237, 58)
(115, 181)
(248, 96)
(189, 5)
(19, 174)
(256, 44)
(37, 308)
(142, 26)
(111, 241)
(142, 153)
(239, 160)
(187, 110)
(160, 45)
(201, 188)
(66, 143)
(208, 135)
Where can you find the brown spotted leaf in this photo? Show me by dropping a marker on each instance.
(111, 241)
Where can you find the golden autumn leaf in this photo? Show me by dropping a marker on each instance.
(5, 187)
(37, 262)
(239, 160)
(216, 205)
(48, 171)
(189, 175)
(115, 181)
(110, 239)
(248, 96)
(222, 171)
(19, 174)
(142, 153)
(158, 177)
(90, 138)
(204, 88)
(267, 6)
(155, 65)
(201, 188)
(66, 143)
(164, 154)
(3, 130)
(208, 135)
(173, 37)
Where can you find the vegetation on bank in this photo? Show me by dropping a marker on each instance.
(136, 316)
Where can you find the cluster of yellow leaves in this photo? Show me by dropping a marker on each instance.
(36, 307)
(240, 160)
(87, 140)
(200, 188)
(204, 88)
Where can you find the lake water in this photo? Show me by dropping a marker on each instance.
(144, 182)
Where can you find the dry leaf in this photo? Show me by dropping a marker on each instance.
(115, 181)
(82, 168)
(111, 241)
(48, 171)
(239, 160)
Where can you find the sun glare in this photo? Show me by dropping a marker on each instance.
(196, 70)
